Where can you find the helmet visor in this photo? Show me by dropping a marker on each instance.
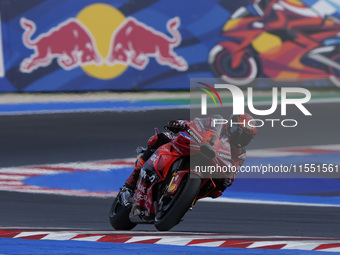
(240, 137)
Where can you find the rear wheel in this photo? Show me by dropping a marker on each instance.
(220, 60)
(119, 216)
(171, 209)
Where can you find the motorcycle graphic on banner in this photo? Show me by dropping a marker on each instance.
(278, 39)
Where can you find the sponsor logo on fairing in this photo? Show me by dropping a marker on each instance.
(194, 135)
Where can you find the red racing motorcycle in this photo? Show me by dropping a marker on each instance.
(170, 183)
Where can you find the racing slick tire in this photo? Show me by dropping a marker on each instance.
(180, 206)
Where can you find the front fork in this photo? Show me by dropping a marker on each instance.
(176, 179)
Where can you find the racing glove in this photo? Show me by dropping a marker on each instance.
(176, 126)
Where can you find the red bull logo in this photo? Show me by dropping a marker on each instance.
(70, 43)
(134, 42)
(103, 42)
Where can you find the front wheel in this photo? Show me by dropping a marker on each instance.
(174, 208)
(119, 216)
(220, 60)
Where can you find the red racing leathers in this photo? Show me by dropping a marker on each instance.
(238, 155)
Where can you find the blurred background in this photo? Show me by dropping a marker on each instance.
(83, 83)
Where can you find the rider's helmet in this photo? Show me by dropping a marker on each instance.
(241, 129)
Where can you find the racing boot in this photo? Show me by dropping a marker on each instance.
(131, 182)
(126, 192)
(126, 196)
(220, 187)
(215, 193)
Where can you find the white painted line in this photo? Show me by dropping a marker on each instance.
(29, 171)
(302, 245)
(88, 238)
(337, 249)
(152, 108)
(28, 234)
(120, 109)
(209, 244)
(12, 177)
(91, 166)
(290, 151)
(175, 240)
(270, 153)
(264, 202)
(10, 183)
(141, 238)
(327, 147)
(59, 236)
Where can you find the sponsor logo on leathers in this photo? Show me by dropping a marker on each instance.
(194, 135)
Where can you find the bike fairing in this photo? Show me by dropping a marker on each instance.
(164, 191)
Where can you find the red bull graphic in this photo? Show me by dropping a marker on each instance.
(70, 43)
(158, 45)
(74, 44)
(133, 43)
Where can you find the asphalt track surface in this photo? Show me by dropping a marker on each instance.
(55, 138)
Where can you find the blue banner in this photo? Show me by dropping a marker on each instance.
(84, 45)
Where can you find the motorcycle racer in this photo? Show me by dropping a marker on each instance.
(237, 132)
